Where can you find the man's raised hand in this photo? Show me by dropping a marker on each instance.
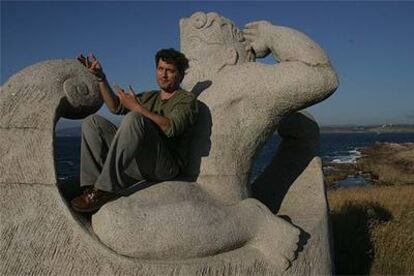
(129, 100)
(93, 66)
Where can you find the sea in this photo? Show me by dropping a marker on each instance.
(334, 148)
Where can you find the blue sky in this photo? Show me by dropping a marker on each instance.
(371, 44)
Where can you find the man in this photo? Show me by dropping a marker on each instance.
(151, 142)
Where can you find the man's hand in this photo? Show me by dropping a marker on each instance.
(256, 33)
(129, 100)
(93, 65)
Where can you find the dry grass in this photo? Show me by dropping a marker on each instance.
(373, 229)
(389, 163)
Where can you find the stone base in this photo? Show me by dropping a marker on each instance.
(39, 235)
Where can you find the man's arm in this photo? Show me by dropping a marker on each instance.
(130, 102)
(109, 97)
(95, 68)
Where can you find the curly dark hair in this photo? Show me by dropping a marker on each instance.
(174, 57)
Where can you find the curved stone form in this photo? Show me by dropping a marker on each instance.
(212, 227)
(40, 236)
(243, 101)
(292, 186)
(31, 102)
(178, 221)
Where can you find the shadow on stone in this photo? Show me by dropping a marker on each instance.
(200, 143)
(69, 188)
(303, 237)
(354, 251)
(200, 87)
(300, 140)
(137, 187)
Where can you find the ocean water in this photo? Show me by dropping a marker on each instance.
(344, 147)
(67, 157)
(334, 147)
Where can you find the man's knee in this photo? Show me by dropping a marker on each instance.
(92, 121)
(134, 119)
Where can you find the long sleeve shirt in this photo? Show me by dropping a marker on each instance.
(181, 109)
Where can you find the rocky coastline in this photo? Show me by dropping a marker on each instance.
(380, 164)
(403, 128)
(373, 222)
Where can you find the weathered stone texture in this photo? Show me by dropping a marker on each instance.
(31, 102)
(207, 225)
(244, 100)
(177, 220)
(39, 236)
(27, 156)
(43, 92)
(292, 186)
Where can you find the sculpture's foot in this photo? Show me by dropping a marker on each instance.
(198, 226)
(277, 239)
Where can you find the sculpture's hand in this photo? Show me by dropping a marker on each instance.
(93, 65)
(257, 34)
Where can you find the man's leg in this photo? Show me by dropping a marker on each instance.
(97, 136)
(156, 160)
(137, 152)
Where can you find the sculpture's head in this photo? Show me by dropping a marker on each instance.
(80, 88)
(63, 88)
(211, 42)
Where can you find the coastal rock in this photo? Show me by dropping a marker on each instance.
(335, 172)
(203, 226)
(389, 163)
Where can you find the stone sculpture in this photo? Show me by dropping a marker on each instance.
(245, 99)
(30, 104)
(206, 223)
(178, 220)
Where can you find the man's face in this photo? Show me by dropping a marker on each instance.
(168, 77)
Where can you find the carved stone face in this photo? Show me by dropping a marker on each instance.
(210, 42)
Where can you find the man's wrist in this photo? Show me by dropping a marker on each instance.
(139, 109)
(101, 78)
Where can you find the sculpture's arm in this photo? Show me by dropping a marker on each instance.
(303, 76)
(284, 43)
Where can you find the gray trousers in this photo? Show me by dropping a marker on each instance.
(113, 159)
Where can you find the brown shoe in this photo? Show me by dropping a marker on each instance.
(91, 200)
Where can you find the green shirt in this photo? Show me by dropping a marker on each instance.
(181, 109)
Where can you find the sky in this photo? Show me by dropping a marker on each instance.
(370, 44)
